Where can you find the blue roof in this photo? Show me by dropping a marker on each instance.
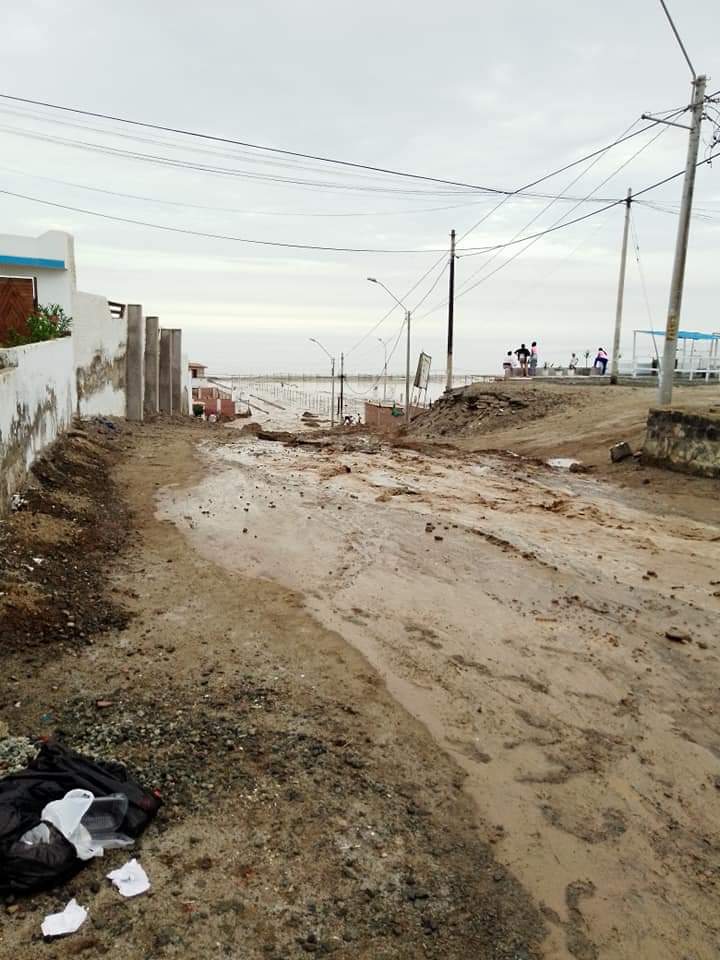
(684, 334)
(32, 262)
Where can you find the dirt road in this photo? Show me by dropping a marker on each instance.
(555, 634)
(305, 811)
(400, 702)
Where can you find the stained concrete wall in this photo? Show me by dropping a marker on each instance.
(100, 342)
(688, 442)
(37, 402)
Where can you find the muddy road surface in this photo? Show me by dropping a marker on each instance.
(305, 810)
(555, 634)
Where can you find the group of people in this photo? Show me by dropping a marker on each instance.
(599, 363)
(527, 360)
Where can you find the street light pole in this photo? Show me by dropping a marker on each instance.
(332, 380)
(407, 356)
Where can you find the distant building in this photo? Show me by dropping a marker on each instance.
(214, 398)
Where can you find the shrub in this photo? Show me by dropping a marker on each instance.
(48, 322)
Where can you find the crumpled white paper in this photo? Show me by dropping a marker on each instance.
(130, 879)
(67, 921)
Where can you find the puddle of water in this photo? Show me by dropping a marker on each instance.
(562, 463)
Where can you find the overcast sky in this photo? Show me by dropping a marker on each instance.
(489, 94)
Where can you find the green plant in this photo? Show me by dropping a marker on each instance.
(48, 322)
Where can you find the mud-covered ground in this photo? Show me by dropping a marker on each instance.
(555, 632)
(305, 811)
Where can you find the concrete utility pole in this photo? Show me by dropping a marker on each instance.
(451, 314)
(342, 377)
(667, 369)
(407, 371)
(614, 363)
(332, 392)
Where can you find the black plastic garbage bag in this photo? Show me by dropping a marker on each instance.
(56, 770)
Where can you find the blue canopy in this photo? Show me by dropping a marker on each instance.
(683, 334)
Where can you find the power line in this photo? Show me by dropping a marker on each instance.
(636, 245)
(569, 223)
(284, 152)
(626, 135)
(467, 286)
(209, 236)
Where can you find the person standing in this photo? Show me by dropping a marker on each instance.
(533, 358)
(601, 361)
(508, 364)
(523, 355)
(572, 366)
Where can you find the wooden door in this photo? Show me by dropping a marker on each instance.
(17, 301)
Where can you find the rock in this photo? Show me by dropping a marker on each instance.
(677, 635)
(438, 537)
(429, 527)
(620, 451)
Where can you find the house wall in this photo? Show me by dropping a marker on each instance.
(37, 401)
(54, 285)
(100, 342)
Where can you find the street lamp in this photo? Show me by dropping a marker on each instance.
(332, 380)
(407, 352)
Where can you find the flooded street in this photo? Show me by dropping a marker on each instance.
(555, 635)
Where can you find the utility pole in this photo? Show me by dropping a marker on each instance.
(341, 403)
(451, 313)
(614, 363)
(407, 371)
(667, 369)
(332, 393)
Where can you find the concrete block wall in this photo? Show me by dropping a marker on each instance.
(683, 441)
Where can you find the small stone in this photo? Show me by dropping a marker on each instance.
(677, 635)
(620, 451)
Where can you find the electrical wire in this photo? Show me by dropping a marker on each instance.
(636, 248)
(623, 137)
(209, 236)
(333, 249)
(284, 152)
(467, 286)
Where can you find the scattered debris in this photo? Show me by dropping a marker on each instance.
(67, 921)
(130, 880)
(620, 451)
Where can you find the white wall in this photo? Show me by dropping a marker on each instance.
(37, 401)
(100, 342)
